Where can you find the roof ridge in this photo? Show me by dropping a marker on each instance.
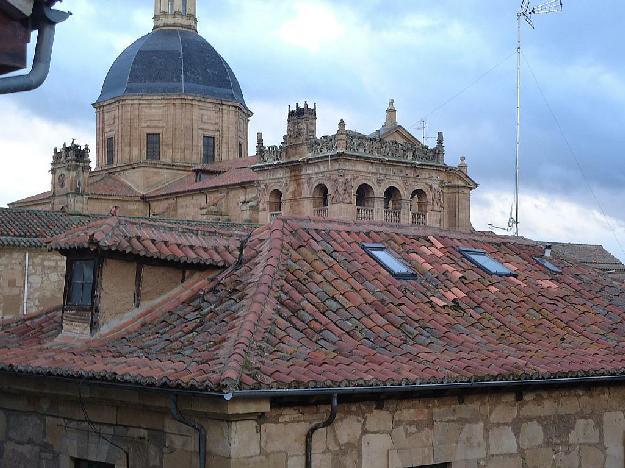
(237, 355)
(307, 222)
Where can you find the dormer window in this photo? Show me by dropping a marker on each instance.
(80, 286)
(485, 262)
(391, 263)
(548, 265)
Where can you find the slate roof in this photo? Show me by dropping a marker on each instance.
(306, 308)
(153, 239)
(171, 61)
(28, 228)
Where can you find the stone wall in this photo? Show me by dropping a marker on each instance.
(565, 428)
(40, 429)
(236, 204)
(182, 122)
(343, 174)
(46, 279)
(575, 428)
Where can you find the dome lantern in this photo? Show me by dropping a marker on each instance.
(175, 14)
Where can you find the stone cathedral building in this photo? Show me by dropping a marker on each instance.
(172, 142)
(324, 303)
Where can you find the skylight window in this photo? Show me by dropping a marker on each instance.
(395, 266)
(485, 262)
(548, 265)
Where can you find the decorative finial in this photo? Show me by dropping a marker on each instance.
(463, 164)
(391, 114)
(341, 125)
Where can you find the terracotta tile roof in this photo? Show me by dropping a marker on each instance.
(224, 166)
(28, 228)
(217, 175)
(594, 256)
(307, 307)
(109, 184)
(154, 239)
(34, 198)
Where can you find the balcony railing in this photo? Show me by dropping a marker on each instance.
(364, 214)
(274, 214)
(420, 219)
(392, 216)
(321, 212)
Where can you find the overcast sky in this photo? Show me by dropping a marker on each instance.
(350, 57)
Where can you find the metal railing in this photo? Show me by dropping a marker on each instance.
(392, 216)
(321, 212)
(364, 214)
(419, 219)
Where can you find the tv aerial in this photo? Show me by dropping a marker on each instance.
(525, 13)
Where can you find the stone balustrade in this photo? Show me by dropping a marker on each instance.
(361, 145)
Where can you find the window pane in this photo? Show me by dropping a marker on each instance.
(388, 260)
(484, 261)
(395, 265)
(208, 150)
(81, 283)
(153, 146)
(548, 265)
(110, 150)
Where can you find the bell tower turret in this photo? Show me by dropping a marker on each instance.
(70, 175)
(175, 14)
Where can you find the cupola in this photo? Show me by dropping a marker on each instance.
(175, 14)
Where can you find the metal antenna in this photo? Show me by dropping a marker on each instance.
(423, 126)
(525, 13)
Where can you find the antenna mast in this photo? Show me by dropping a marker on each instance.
(525, 13)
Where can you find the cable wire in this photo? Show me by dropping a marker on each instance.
(574, 154)
(95, 430)
(469, 86)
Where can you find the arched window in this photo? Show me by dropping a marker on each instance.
(419, 207)
(184, 7)
(392, 205)
(364, 203)
(170, 7)
(320, 201)
(275, 204)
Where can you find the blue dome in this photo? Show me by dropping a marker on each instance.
(171, 61)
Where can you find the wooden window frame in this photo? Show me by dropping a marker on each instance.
(69, 283)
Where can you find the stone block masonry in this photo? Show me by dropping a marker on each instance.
(46, 279)
(573, 428)
(566, 427)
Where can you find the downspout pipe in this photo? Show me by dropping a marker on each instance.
(45, 20)
(26, 269)
(201, 431)
(316, 427)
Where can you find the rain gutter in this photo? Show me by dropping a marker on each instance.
(391, 389)
(45, 20)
